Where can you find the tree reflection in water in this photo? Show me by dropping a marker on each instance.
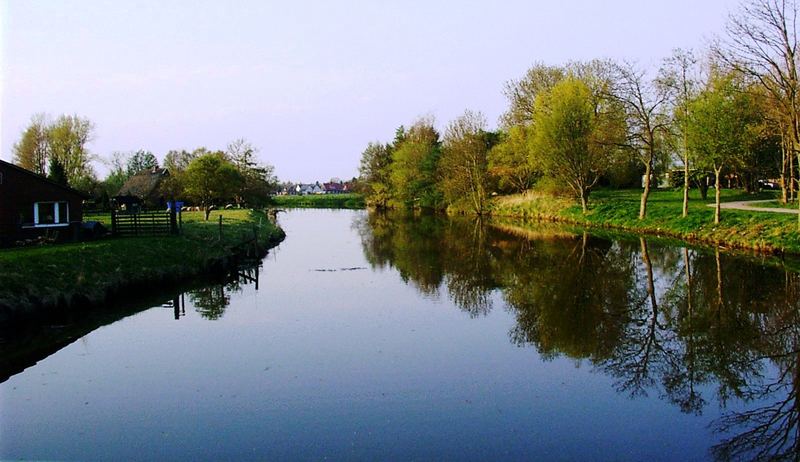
(212, 300)
(673, 321)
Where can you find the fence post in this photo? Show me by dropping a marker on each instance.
(113, 223)
(220, 227)
(173, 222)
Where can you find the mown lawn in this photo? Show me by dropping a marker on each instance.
(620, 209)
(90, 270)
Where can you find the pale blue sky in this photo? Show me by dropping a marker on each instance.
(309, 82)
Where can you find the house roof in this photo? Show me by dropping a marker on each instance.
(145, 183)
(44, 179)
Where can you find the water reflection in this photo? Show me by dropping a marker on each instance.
(694, 327)
(212, 300)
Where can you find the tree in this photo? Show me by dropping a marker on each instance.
(33, 149)
(177, 161)
(720, 127)
(415, 161)
(68, 137)
(258, 181)
(573, 139)
(140, 160)
(376, 161)
(56, 172)
(679, 76)
(463, 166)
(762, 45)
(509, 160)
(522, 93)
(644, 103)
(211, 177)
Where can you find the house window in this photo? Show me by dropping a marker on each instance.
(50, 213)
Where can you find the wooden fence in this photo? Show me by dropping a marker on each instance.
(144, 223)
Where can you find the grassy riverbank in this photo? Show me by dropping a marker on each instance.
(89, 273)
(321, 201)
(618, 209)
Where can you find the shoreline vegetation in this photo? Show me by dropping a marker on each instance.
(764, 232)
(320, 201)
(49, 279)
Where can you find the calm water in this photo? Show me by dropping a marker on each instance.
(379, 337)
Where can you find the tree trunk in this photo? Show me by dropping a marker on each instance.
(703, 186)
(646, 192)
(207, 211)
(716, 195)
(685, 212)
(584, 201)
(784, 195)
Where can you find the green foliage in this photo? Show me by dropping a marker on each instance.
(375, 170)
(414, 167)
(140, 160)
(211, 177)
(509, 161)
(321, 201)
(56, 172)
(619, 209)
(68, 137)
(33, 149)
(463, 166)
(258, 180)
(566, 138)
(721, 123)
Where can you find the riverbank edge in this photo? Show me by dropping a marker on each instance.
(643, 229)
(26, 308)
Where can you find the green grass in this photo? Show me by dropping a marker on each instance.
(321, 201)
(777, 204)
(90, 271)
(619, 209)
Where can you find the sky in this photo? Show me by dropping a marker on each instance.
(309, 83)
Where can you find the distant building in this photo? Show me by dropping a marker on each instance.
(306, 189)
(31, 205)
(334, 188)
(144, 188)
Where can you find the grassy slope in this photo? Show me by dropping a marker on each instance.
(321, 201)
(89, 271)
(619, 209)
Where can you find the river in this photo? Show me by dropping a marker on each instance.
(385, 337)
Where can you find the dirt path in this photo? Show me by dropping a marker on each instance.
(751, 206)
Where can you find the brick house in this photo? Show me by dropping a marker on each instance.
(31, 205)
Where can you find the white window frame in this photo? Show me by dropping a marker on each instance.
(56, 214)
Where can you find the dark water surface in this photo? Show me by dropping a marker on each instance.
(382, 337)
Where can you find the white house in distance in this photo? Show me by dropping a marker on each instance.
(306, 189)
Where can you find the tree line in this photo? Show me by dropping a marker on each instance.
(58, 150)
(729, 112)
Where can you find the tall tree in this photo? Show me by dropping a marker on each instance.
(258, 180)
(723, 120)
(644, 103)
(573, 139)
(140, 160)
(415, 161)
(761, 43)
(522, 93)
(68, 137)
(463, 165)
(33, 149)
(376, 161)
(679, 76)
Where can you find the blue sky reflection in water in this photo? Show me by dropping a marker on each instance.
(358, 364)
